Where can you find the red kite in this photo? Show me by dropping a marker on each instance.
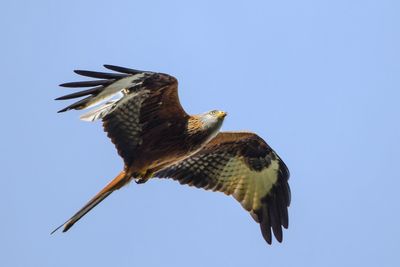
(157, 139)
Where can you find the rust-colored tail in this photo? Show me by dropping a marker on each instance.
(115, 184)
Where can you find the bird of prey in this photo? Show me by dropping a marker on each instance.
(156, 138)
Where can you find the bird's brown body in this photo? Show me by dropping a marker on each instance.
(156, 138)
(158, 151)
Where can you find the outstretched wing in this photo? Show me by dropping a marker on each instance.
(242, 165)
(148, 104)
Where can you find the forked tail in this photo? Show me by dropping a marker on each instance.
(118, 182)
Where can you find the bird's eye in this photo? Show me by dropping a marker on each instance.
(213, 112)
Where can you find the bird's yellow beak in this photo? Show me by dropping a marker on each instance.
(222, 114)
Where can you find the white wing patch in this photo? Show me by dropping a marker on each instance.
(99, 112)
(115, 88)
(248, 186)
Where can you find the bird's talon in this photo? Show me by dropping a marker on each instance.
(140, 180)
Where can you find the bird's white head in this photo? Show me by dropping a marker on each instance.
(213, 120)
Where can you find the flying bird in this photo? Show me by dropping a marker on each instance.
(156, 138)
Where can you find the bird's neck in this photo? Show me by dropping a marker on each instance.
(197, 128)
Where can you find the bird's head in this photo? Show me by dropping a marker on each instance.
(214, 116)
(213, 119)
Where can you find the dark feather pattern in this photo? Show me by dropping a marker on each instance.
(108, 85)
(123, 126)
(219, 167)
(91, 91)
(274, 209)
(87, 83)
(122, 69)
(77, 105)
(100, 75)
(142, 122)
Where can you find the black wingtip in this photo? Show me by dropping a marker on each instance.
(122, 69)
(62, 110)
(99, 75)
(55, 230)
(268, 240)
(67, 227)
(86, 83)
(92, 91)
(77, 105)
(266, 233)
(79, 72)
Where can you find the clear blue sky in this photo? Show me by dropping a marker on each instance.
(319, 80)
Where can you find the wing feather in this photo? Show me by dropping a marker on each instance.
(122, 69)
(100, 75)
(147, 101)
(86, 83)
(92, 91)
(244, 166)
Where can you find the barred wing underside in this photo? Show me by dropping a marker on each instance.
(244, 166)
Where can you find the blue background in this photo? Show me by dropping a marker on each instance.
(319, 80)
